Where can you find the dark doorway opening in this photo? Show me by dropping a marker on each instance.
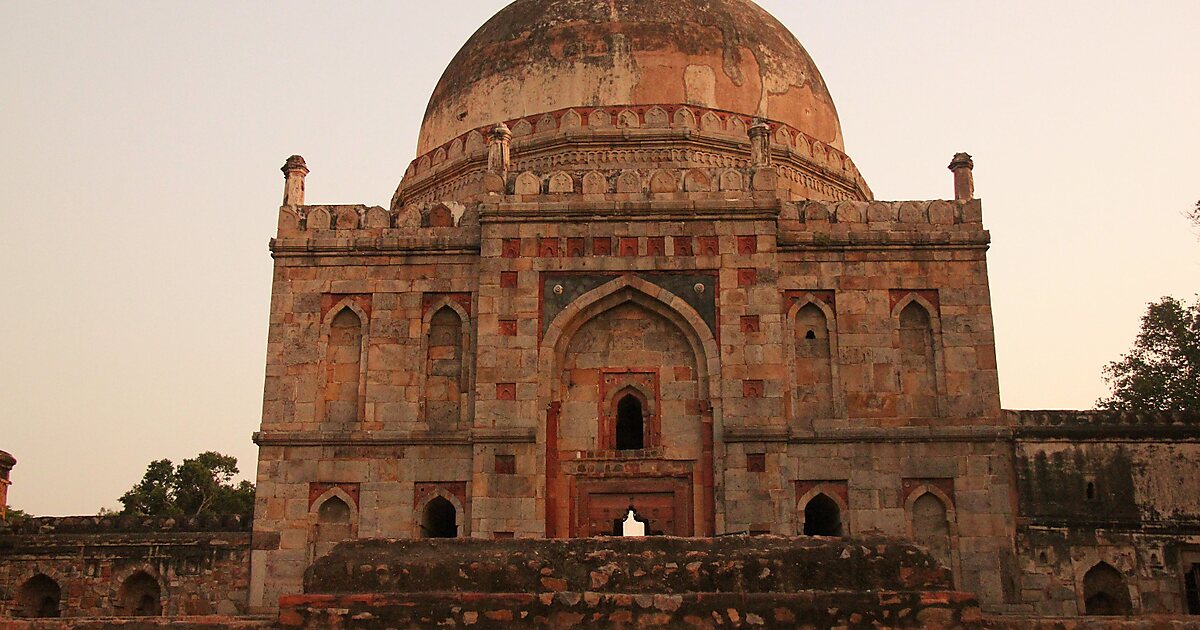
(142, 596)
(1193, 590)
(822, 517)
(40, 597)
(631, 427)
(440, 520)
(1105, 592)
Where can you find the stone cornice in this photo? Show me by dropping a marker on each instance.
(480, 435)
(867, 435)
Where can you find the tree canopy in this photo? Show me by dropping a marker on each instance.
(199, 486)
(1162, 371)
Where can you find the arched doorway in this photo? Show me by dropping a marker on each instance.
(141, 596)
(439, 519)
(626, 385)
(1105, 592)
(631, 424)
(822, 517)
(39, 597)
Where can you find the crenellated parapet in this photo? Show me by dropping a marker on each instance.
(124, 524)
(603, 150)
(882, 222)
(1107, 424)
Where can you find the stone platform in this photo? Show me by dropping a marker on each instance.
(734, 582)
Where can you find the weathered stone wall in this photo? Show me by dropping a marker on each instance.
(95, 566)
(1107, 490)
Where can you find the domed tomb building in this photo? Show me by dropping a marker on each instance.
(631, 267)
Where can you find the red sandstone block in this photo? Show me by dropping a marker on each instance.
(508, 327)
(656, 246)
(575, 247)
(628, 246)
(747, 245)
(508, 279)
(602, 246)
(751, 324)
(756, 462)
(752, 388)
(681, 245)
(710, 246)
(548, 248)
(511, 248)
(747, 277)
(506, 391)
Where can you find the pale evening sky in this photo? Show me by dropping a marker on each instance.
(140, 143)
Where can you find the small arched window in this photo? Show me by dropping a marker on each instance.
(822, 517)
(931, 526)
(631, 424)
(444, 382)
(39, 597)
(334, 524)
(918, 376)
(813, 364)
(1105, 592)
(141, 596)
(440, 519)
(334, 510)
(343, 365)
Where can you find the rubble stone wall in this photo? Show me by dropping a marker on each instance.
(197, 567)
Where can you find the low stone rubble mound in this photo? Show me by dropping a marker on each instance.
(732, 582)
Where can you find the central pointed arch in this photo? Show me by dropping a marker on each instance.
(621, 291)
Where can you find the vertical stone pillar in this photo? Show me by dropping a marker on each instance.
(6, 465)
(499, 150)
(294, 171)
(760, 144)
(964, 179)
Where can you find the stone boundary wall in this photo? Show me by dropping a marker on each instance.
(126, 524)
(192, 566)
(1103, 419)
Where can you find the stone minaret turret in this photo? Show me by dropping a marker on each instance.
(294, 171)
(760, 144)
(6, 465)
(964, 178)
(499, 157)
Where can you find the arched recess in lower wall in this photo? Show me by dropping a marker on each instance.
(625, 290)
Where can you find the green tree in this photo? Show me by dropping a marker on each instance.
(198, 486)
(1162, 371)
(13, 514)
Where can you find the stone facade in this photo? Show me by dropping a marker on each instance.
(633, 277)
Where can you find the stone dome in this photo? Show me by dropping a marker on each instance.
(538, 56)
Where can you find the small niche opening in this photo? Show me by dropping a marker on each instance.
(440, 519)
(631, 429)
(811, 335)
(1090, 491)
